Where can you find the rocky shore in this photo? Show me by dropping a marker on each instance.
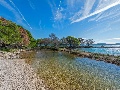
(9, 55)
(95, 56)
(15, 74)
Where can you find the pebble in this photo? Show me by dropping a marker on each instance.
(15, 74)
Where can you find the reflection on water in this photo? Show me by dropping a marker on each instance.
(111, 51)
(62, 71)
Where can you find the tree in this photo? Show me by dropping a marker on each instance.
(39, 42)
(52, 36)
(72, 42)
(81, 40)
(9, 33)
(89, 41)
(13, 35)
(32, 41)
(46, 41)
(63, 42)
(54, 40)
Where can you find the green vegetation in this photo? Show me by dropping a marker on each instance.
(55, 43)
(14, 36)
(33, 42)
(72, 42)
(88, 42)
(69, 42)
(9, 32)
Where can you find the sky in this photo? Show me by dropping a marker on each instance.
(89, 19)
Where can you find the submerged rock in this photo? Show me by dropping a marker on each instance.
(96, 56)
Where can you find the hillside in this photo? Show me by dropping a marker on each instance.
(12, 34)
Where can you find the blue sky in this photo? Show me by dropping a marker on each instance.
(94, 19)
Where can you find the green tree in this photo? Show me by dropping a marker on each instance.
(89, 41)
(46, 41)
(63, 42)
(39, 42)
(54, 40)
(33, 42)
(10, 34)
(72, 42)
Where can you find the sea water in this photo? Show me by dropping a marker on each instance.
(63, 71)
(112, 51)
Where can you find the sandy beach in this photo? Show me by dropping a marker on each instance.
(15, 74)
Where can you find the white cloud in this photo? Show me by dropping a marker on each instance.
(113, 40)
(10, 8)
(88, 7)
(58, 14)
(109, 41)
(110, 14)
(31, 4)
(98, 11)
(57, 11)
(104, 9)
(116, 38)
(76, 15)
(72, 11)
(18, 15)
(41, 26)
(104, 3)
(70, 3)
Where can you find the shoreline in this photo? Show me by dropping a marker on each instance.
(15, 74)
(95, 56)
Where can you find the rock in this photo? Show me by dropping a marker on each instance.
(17, 75)
(9, 55)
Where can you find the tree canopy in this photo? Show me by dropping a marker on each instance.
(72, 41)
(13, 34)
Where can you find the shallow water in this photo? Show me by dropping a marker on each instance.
(110, 51)
(62, 71)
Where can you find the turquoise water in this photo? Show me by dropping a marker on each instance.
(62, 71)
(106, 45)
(111, 51)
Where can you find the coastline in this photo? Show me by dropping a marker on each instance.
(15, 74)
(95, 56)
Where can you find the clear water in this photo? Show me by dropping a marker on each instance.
(111, 51)
(106, 45)
(62, 71)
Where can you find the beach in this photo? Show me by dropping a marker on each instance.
(53, 70)
(15, 74)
